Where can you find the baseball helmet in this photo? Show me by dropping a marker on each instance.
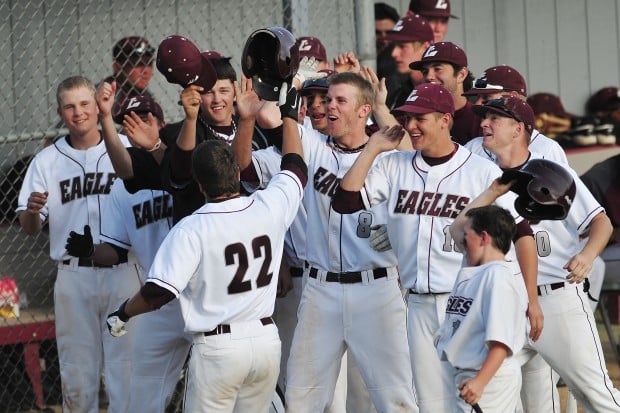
(270, 57)
(545, 190)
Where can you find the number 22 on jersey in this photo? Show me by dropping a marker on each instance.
(237, 253)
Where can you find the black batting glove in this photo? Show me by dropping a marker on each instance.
(79, 245)
(289, 104)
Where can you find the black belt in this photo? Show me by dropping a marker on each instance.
(417, 293)
(296, 271)
(87, 262)
(554, 286)
(225, 328)
(352, 277)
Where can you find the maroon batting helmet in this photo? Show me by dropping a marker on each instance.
(270, 57)
(546, 190)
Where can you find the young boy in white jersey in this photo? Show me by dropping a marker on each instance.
(485, 320)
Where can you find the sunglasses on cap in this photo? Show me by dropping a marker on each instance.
(483, 83)
(499, 104)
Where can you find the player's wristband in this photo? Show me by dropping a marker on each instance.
(122, 315)
(156, 147)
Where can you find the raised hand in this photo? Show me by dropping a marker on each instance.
(105, 98)
(190, 99)
(248, 102)
(142, 134)
(346, 62)
(387, 138)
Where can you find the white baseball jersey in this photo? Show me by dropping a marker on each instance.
(142, 219)
(422, 202)
(538, 143)
(488, 303)
(267, 164)
(223, 260)
(345, 237)
(78, 183)
(558, 241)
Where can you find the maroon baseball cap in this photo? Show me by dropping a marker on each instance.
(431, 8)
(446, 52)
(510, 107)
(316, 85)
(548, 103)
(606, 99)
(427, 98)
(134, 49)
(139, 104)
(410, 29)
(311, 47)
(180, 61)
(497, 79)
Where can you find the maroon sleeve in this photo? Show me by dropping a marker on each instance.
(523, 230)
(249, 174)
(155, 295)
(296, 164)
(347, 202)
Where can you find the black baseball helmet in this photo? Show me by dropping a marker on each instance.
(546, 190)
(270, 57)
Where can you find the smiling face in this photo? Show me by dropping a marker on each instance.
(317, 111)
(218, 103)
(429, 132)
(444, 74)
(78, 110)
(344, 113)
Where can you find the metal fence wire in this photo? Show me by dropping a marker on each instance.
(47, 41)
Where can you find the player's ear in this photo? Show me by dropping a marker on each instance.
(116, 67)
(461, 75)
(364, 110)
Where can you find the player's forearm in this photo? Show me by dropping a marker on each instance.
(600, 232)
(30, 223)
(354, 179)
(268, 116)
(497, 354)
(119, 156)
(137, 305)
(291, 143)
(383, 117)
(242, 143)
(105, 254)
(186, 141)
(527, 257)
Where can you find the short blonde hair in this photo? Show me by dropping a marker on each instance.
(74, 82)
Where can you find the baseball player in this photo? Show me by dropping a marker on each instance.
(350, 391)
(485, 324)
(225, 273)
(351, 295)
(425, 190)
(503, 80)
(68, 183)
(139, 222)
(569, 343)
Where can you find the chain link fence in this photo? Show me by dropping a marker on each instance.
(47, 41)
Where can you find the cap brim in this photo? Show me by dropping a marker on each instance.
(312, 89)
(432, 14)
(473, 91)
(482, 110)
(397, 37)
(413, 109)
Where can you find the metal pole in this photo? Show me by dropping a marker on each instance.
(365, 33)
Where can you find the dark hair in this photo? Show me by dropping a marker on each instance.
(468, 82)
(497, 222)
(385, 11)
(224, 69)
(215, 168)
